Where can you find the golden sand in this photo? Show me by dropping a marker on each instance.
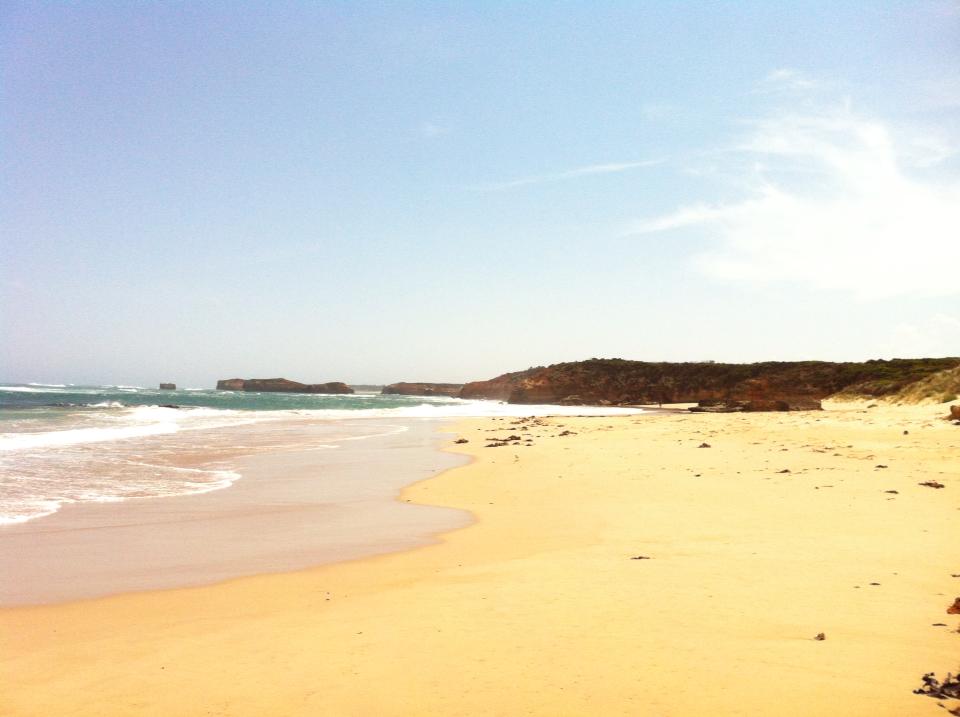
(785, 527)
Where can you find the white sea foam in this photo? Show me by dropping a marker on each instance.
(136, 422)
(49, 385)
(16, 509)
(49, 439)
(12, 513)
(467, 409)
(151, 413)
(143, 421)
(31, 389)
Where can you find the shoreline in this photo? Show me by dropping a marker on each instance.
(544, 605)
(289, 510)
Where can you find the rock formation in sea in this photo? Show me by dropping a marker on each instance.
(168, 387)
(280, 385)
(405, 388)
(768, 386)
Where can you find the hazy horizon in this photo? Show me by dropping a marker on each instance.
(372, 193)
(153, 383)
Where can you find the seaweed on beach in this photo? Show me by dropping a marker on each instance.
(932, 687)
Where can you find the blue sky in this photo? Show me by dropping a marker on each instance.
(374, 192)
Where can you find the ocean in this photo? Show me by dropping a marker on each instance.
(63, 444)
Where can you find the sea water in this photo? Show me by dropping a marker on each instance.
(63, 444)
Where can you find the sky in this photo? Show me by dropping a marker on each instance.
(385, 191)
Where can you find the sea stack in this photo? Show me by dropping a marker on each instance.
(280, 385)
(405, 388)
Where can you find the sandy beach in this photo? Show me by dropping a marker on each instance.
(672, 564)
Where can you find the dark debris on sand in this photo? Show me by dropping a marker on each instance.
(500, 442)
(932, 687)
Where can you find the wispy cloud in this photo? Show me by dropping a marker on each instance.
(432, 129)
(593, 169)
(786, 79)
(833, 200)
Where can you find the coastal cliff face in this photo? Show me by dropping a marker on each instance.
(423, 389)
(500, 388)
(757, 386)
(280, 385)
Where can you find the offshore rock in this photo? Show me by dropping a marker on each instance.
(168, 387)
(405, 388)
(280, 385)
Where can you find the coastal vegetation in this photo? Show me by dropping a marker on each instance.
(619, 381)
(768, 385)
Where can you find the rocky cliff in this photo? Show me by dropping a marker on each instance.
(765, 386)
(423, 389)
(280, 385)
(500, 388)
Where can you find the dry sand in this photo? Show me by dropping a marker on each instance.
(540, 607)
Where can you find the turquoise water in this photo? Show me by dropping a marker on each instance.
(64, 444)
(14, 396)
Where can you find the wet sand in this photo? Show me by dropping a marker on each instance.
(292, 509)
(615, 569)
